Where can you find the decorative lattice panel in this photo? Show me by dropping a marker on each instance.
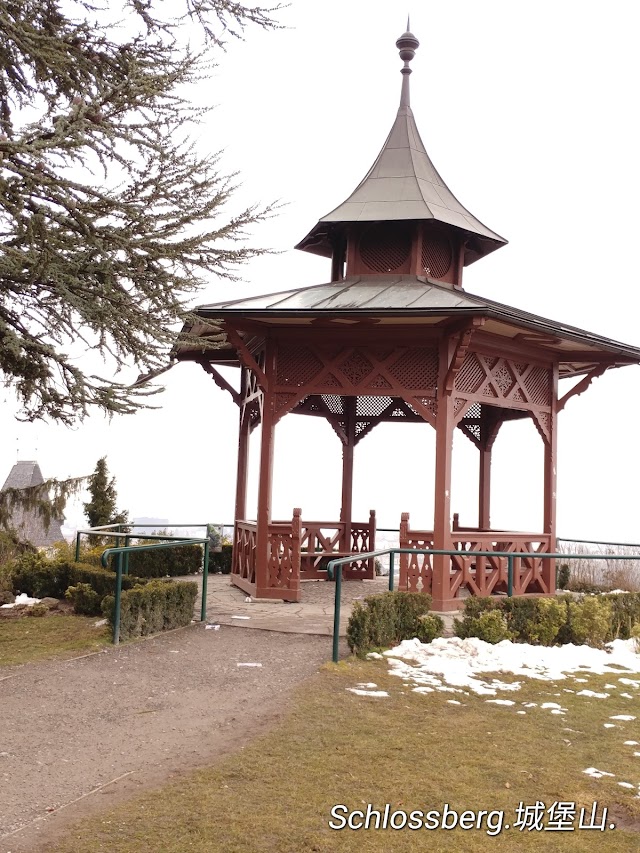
(416, 368)
(385, 247)
(379, 382)
(371, 407)
(538, 385)
(356, 367)
(436, 255)
(333, 403)
(471, 375)
(297, 365)
(503, 379)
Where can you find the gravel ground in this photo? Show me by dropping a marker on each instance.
(78, 736)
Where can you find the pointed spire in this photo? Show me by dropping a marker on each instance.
(403, 185)
(407, 44)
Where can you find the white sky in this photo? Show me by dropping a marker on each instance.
(528, 112)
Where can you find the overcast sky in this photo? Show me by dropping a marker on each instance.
(528, 113)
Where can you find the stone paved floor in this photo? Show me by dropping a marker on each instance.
(228, 605)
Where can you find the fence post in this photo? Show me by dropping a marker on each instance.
(337, 573)
(391, 569)
(127, 540)
(510, 575)
(205, 577)
(116, 621)
(78, 535)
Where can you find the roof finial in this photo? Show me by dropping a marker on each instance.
(407, 45)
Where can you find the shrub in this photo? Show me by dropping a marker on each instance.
(564, 573)
(159, 605)
(635, 636)
(86, 601)
(37, 610)
(220, 561)
(42, 578)
(535, 620)
(590, 621)
(384, 620)
(491, 626)
(625, 614)
(174, 562)
(429, 627)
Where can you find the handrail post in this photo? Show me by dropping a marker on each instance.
(391, 569)
(127, 540)
(78, 535)
(116, 619)
(337, 572)
(510, 575)
(205, 577)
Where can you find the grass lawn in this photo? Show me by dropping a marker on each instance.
(413, 751)
(38, 638)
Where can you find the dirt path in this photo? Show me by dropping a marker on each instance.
(78, 736)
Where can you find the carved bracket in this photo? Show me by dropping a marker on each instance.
(220, 381)
(462, 345)
(246, 357)
(582, 386)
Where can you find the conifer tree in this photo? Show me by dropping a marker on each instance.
(110, 217)
(101, 509)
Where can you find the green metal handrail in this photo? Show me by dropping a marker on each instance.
(127, 549)
(510, 555)
(107, 530)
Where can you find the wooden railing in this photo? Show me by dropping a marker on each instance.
(243, 562)
(479, 575)
(322, 541)
(283, 558)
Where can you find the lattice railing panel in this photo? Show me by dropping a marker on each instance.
(244, 550)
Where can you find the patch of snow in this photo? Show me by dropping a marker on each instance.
(625, 717)
(249, 664)
(521, 712)
(626, 695)
(631, 743)
(241, 617)
(453, 702)
(618, 592)
(582, 680)
(367, 692)
(596, 774)
(500, 701)
(610, 687)
(22, 598)
(459, 662)
(374, 656)
(546, 705)
(637, 754)
(367, 685)
(609, 725)
(629, 681)
(593, 694)
(626, 785)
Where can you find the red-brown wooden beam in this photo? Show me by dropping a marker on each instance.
(346, 510)
(266, 480)
(246, 356)
(441, 585)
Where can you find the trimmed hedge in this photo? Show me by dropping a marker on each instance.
(590, 620)
(159, 605)
(40, 578)
(163, 562)
(384, 620)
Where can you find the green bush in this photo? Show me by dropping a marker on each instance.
(163, 562)
(384, 620)
(537, 621)
(220, 561)
(429, 627)
(491, 626)
(590, 621)
(635, 636)
(564, 573)
(159, 605)
(41, 578)
(37, 610)
(625, 614)
(86, 601)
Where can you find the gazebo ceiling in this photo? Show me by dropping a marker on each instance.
(397, 301)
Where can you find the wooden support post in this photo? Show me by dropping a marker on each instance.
(346, 509)
(550, 479)
(441, 586)
(243, 468)
(266, 481)
(484, 489)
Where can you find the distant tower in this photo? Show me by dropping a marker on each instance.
(27, 522)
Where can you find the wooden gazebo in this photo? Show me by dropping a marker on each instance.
(394, 337)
